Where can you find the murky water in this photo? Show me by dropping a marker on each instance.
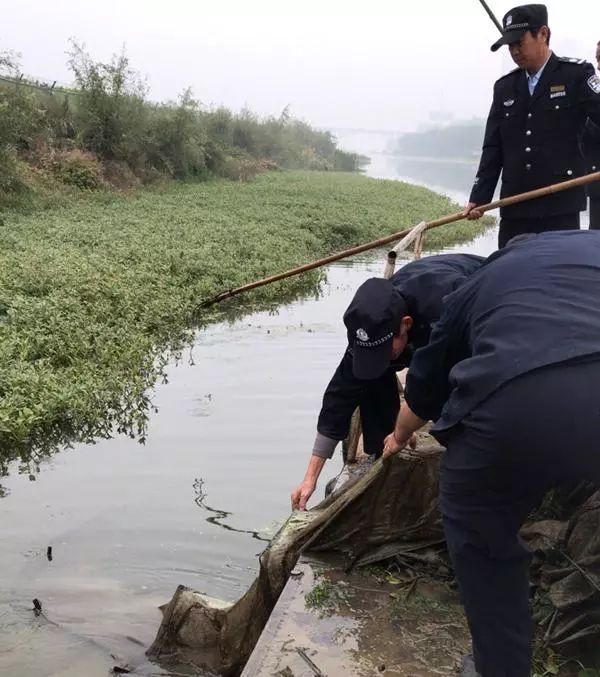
(128, 523)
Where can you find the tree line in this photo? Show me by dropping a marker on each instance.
(459, 140)
(106, 131)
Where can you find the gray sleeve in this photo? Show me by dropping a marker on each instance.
(324, 446)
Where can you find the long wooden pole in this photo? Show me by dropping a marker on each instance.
(491, 15)
(374, 244)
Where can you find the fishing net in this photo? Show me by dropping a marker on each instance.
(569, 577)
(385, 510)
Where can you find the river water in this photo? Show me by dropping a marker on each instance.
(128, 523)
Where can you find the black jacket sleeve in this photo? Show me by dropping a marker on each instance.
(339, 401)
(344, 394)
(427, 383)
(491, 161)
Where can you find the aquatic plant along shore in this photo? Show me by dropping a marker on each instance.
(94, 296)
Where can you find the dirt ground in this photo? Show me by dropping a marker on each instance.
(371, 622)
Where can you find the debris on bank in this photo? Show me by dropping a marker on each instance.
(367, 566)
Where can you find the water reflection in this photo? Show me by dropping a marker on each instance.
(219, 515)
(131, 417)
(455, 176)
(451, 178)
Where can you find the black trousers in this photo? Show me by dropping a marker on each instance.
(378, 412)
(535, 433)
(595, 213)
(511, 227)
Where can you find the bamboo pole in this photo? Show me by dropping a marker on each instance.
(414, 236)
(390, 265)
(491, 15)
(374, 244)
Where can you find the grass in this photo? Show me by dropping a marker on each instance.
(95, 294)
(547, 662)
(321, 596)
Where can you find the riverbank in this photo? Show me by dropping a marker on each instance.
(105, 131)
(96, 294)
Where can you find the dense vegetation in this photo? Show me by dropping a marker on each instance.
(106, 131)
(460, 140)
(94, 292)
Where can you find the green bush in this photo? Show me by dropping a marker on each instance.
(239, 169)
(107, 116)
(111, 111)
(12, 181)
(345, 162)
(219, 126)
(177, 138)
(78, 168)
(19, 121)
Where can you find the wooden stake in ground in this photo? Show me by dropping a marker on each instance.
(452, 218)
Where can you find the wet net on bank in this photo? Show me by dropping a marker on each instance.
(390, 511)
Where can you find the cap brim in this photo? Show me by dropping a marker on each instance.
(371, 363)
(509, 38)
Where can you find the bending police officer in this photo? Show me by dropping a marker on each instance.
(517, 337)
(386, 321)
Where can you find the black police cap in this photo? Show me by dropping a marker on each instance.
(372, 319)
(520, 20)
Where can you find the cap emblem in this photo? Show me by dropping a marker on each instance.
(362, 335)
(508, 21)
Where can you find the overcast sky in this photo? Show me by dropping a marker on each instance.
(374, 64)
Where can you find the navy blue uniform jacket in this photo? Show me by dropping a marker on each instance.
(533, 304)
(424, 284)
(536, 140)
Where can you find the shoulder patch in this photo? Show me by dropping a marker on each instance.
(594, 84)
(569, 59)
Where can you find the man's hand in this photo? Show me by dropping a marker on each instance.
(394, 443)
(301, 494)
(471, 212)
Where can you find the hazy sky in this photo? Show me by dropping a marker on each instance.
(373, 64)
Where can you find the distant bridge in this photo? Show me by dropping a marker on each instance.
(361, 130)
(356, 131)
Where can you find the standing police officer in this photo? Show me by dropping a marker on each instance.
(511, 377)
(534, 129)
(591, 149)
(386, 321)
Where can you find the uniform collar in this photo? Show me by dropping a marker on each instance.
(535, 77)
(545, 75)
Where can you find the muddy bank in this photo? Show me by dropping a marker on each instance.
(361, 623)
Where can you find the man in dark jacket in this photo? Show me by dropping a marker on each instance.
(534, 129)
(386, 321)
(511, 377)
(591, 149)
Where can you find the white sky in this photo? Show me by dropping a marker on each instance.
(374, 64)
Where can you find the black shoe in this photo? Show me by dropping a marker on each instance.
(468, 667)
